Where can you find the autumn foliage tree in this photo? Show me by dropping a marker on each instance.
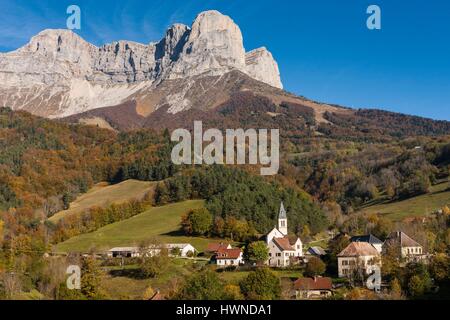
(197, 222)
(257, 252)
(91, 277)
(204, 285)
(261, 284)
(154, 265)
(315, 267)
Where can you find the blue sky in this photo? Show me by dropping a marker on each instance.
(323, 47)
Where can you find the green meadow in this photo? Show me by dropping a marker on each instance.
(160, 222)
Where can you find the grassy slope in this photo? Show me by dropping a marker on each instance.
(415, 207)
(122, 283)
(125, 283)
(161, 222)
(103, 194)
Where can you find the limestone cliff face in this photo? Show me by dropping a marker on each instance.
(261, 66)
(122, 62)
(58, 73)
(214, 46)
(49, 58)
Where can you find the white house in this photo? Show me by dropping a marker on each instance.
(282, 249)
(186, 249)
(404, 247)
(357, 257)
(229, 257)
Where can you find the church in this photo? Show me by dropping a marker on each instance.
(283, 250)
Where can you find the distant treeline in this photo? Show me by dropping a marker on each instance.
(379, 125)
(396, 172)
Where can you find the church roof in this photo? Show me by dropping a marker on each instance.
(282, 214)
(286, 243)
(283, 244)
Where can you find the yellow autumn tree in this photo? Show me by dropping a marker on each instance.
(2, 223)
(149, 293)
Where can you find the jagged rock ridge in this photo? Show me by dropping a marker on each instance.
(59, 74)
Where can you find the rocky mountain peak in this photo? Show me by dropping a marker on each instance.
(173, 42)
(58, 42)
(60, 69)
(215, 45)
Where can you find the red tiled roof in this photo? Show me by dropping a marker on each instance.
(214, 247)
(317, 283)
(283, 243)
(356, 249)
(224, 254)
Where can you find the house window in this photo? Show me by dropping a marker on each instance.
(298, 247)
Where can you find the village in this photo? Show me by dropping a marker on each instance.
(357, 265)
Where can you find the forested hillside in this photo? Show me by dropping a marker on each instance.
(45, 165)
(236, 196)
(325, 177)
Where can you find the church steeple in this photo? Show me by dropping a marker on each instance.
(282, 221)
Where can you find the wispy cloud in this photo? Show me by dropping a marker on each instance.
(17, 23)
(129, 20)
(103, 21)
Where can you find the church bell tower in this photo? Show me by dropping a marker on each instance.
(282, 221)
